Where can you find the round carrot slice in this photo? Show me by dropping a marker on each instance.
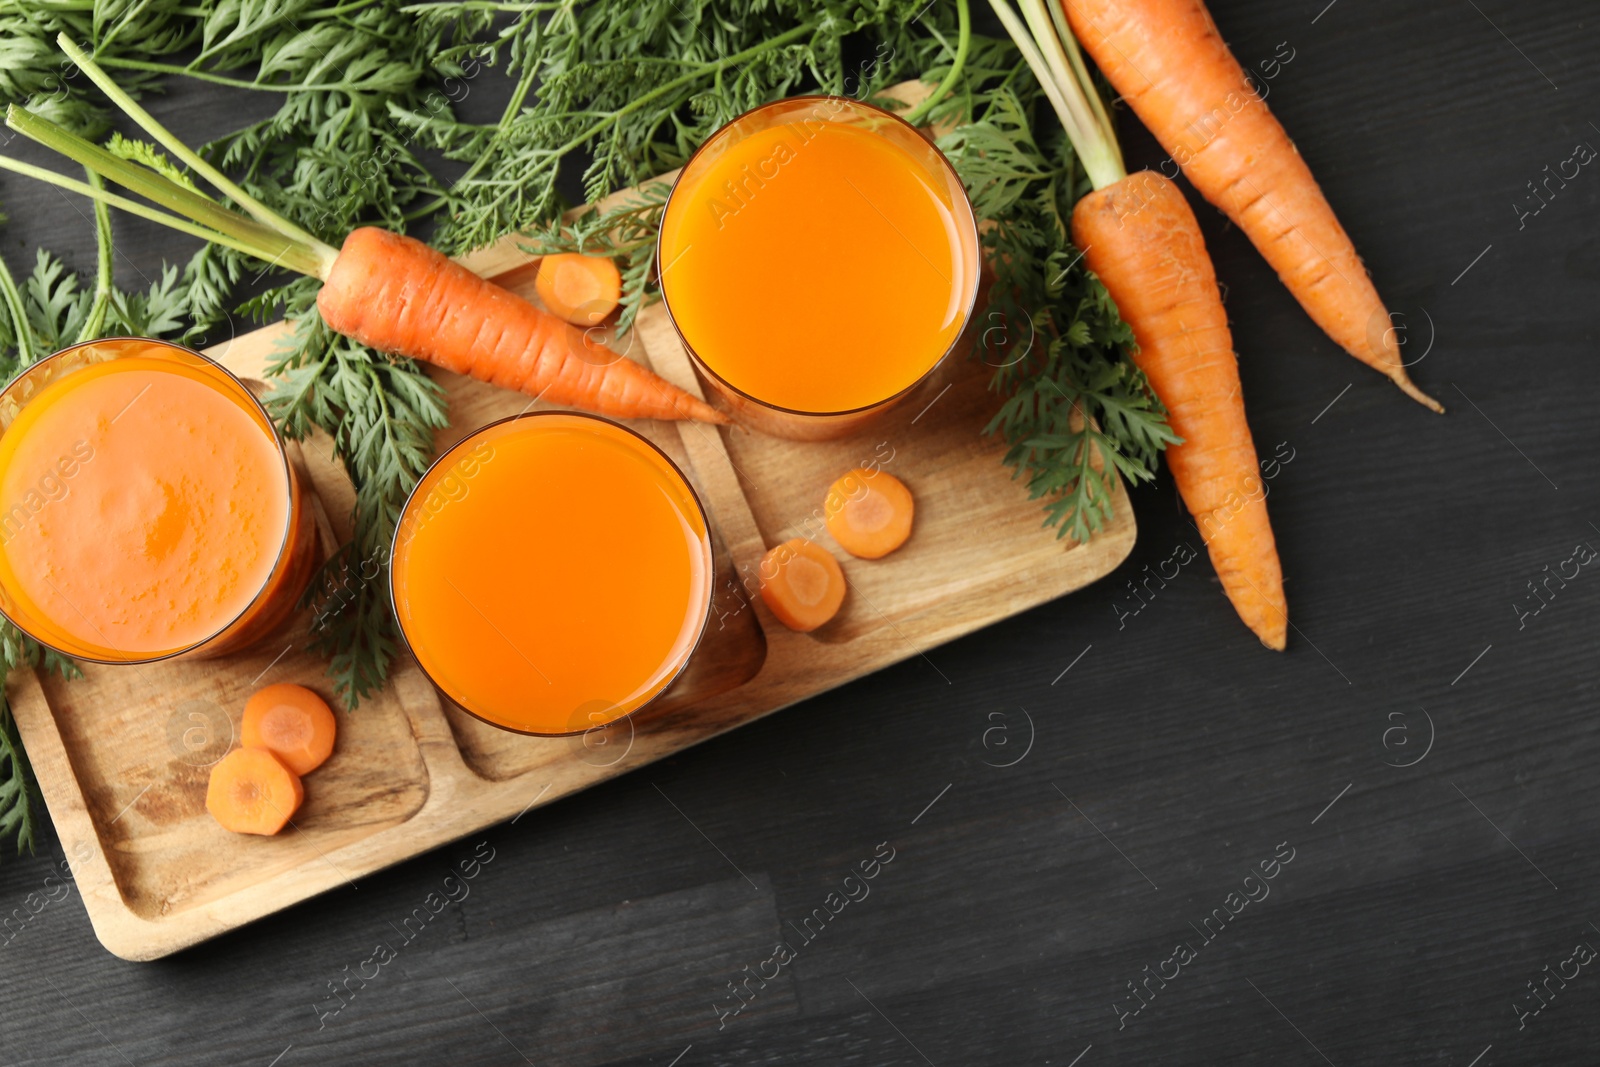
(581, 289)
(869, 513)
(802, 584)
(252, 792)
(293, 723)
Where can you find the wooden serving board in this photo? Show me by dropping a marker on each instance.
(123, 754)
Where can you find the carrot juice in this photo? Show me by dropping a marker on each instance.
(146, 506)
(552, 572)
(818, 256)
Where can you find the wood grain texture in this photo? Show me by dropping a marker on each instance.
(1007, 926)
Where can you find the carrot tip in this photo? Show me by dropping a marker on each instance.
(1408, 387)
(706, 414)
(1271, 624)
(1273, 633)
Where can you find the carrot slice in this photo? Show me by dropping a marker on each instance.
(581, 289)
(252, 792)
(293, 723)
(869, 513)
(802, 583)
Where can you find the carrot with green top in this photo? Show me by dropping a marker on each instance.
(385, 290)
(1140, 237)
(1173, 68)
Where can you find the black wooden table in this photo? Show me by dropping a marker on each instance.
(1091, 789)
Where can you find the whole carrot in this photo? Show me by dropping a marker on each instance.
(1139, 235)
(1142, 239)
(383, 289)
(1171, 65)
(396, 294)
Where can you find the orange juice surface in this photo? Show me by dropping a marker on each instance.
(143, 506)
(552, 573)
(817, 265)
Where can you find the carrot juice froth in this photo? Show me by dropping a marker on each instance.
(143, 507)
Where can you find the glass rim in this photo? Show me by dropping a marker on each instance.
(971, 302)
(711, 566)
(288, 490)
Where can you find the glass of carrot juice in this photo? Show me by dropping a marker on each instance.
(552, 573)
(147, 506)
(819, 258)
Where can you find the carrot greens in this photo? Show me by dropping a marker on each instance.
(1072, 408)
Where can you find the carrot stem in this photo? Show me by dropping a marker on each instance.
(133, 207)
(265, 243)
(240, 233)
(96, 319)
(124, 63)
(257, 210)
(1067, 86)
(1048, 41)
(963, 40)
(1041, 48)
(1080, 71)
(19, 316)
